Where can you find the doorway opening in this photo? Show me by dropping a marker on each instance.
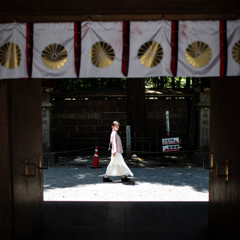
(170, 196)
(82, 111)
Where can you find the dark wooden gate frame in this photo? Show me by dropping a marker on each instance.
(141, 10)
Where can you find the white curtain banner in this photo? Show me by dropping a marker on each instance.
(233, 39)
(101, 46)
(204, 49)
(198, 49)
(53, 50)
(13, 51)
(150, 49)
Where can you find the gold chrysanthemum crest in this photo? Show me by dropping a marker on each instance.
(198, 54)
(10, 55)
(54, 56)
(150, 54)
(101, 54)
(236, 52)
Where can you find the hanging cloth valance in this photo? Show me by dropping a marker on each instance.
(120, 49)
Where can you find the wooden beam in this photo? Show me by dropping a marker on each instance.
(132, 17)
(117, 10)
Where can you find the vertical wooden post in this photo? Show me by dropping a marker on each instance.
(6, 207)
(136, 113)
(161, 83)
(173, 82)
(188, 82)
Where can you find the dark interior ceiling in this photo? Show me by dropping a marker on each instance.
(74, 10)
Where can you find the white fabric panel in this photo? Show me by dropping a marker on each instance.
(54, 34)
(13, 33)
(110, 34)
(141, 33)
(233, 39)
(206, 32)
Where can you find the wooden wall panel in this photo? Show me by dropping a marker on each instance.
(6, 221)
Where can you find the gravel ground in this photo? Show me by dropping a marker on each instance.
(82, 183)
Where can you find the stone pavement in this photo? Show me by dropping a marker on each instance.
(82, 183)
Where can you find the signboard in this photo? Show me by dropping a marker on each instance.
(170, 148)
(170, 144)
(168, 141)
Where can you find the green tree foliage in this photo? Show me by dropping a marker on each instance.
(91, 83)
(158, 83)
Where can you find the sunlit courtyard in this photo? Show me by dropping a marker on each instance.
(74, 183)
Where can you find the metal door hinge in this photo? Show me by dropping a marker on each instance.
(226, 170)
(26, 170)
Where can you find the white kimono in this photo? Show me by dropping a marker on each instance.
(117, 165)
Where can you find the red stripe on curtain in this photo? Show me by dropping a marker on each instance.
(125, 53)
(174, 47)
(29, 49)
(223, 47)
(77, 47)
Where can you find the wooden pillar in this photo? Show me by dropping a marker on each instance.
(21, 133)
(6, 209)
(136, 113)
(224, 194)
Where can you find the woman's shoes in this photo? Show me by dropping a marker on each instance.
(125, 179)
(106, 179)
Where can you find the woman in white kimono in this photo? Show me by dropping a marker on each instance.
(117, 165)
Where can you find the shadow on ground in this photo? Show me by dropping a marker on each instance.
(71, 176)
